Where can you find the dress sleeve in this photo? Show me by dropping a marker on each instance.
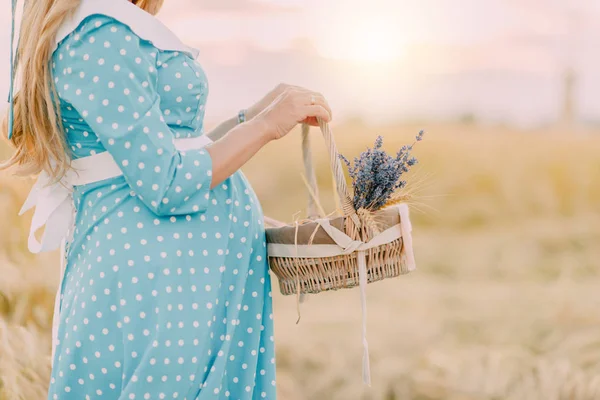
(108, 74)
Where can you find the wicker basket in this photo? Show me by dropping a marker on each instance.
(324, 254)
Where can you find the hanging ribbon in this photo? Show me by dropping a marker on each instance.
(344, 244)
(362, 281)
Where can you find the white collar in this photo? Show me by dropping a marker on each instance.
(143, 24)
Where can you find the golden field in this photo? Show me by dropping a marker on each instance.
(504, 303)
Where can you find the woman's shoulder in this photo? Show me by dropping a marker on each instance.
(96, 32)
(100, 48)
(95, 21)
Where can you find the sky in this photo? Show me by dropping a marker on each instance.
(387, 60)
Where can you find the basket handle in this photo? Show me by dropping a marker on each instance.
(336, 167)
(309, 171)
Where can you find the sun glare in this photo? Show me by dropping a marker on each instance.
(368, 40)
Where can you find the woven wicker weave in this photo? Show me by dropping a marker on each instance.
(299, 274)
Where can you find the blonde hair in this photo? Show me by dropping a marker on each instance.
(38, 136)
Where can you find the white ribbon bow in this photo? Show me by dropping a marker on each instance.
(53, 208)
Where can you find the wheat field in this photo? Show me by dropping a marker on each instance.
(504, 303)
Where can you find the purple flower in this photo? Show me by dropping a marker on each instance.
(376, 175)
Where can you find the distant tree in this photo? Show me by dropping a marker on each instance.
(468, 119)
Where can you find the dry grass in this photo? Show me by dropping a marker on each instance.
(504, 304)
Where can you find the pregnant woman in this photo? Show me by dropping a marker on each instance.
(165, 292)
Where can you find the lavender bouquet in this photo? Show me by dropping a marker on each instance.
(377, 175)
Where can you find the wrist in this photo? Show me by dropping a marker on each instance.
(262, 129)
(251, 112)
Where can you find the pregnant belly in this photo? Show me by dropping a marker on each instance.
(126, 231)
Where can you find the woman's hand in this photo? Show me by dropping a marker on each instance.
(292, 106)
(263, 103)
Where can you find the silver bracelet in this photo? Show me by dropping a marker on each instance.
(242, 116)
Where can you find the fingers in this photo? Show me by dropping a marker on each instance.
(312, 121)
(318, 111)
(309, 104)
(307, 97)
(318, 105)
(320, 100)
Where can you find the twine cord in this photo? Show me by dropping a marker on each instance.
(369, 221)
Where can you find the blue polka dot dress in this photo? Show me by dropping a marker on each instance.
(166, 292)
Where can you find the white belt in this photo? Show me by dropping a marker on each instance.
(54, 206)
